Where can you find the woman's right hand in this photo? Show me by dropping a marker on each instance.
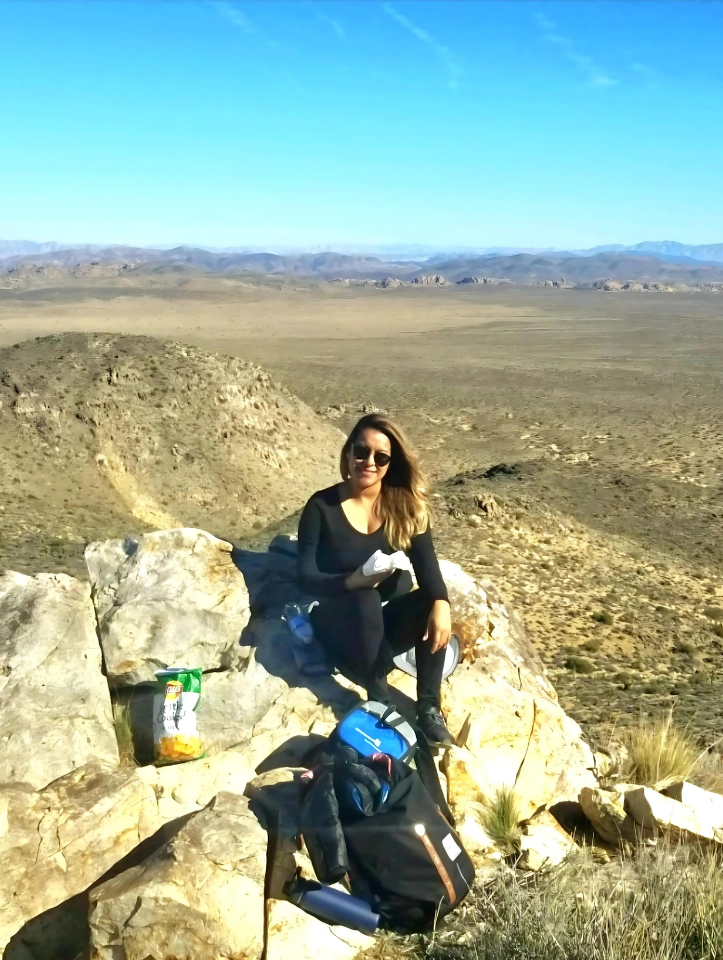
(360, 581)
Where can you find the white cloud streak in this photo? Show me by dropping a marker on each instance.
(596, 76)
(454, 70)
(239, 19)
(325, 18)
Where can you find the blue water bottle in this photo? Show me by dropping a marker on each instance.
(332, 906)
(308, 652)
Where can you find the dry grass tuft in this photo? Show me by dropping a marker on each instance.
(501, 820)
(658, 753)
(663, 905)
(124, 734)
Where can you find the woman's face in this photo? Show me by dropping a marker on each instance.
(363, 468)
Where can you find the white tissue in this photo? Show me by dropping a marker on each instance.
(383, 563)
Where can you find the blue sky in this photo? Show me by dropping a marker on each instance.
(321, 123)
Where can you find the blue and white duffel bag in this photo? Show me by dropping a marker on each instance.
(374, 727)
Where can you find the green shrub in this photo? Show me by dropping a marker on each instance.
(604, 616)
(714, 613)
(580, 665)
(686, 646)
(593, 644)
(501, 820)
(718, 629)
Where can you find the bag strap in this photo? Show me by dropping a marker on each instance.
(427, 771)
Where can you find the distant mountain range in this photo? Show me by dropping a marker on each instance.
(393, 253)
(668, 261)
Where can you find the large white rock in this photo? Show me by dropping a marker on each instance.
(200, 897)
(655, 811)
(55, 709)
(709, 806)
(233, 702)
(56, 842)
(544, 844)
(171, 597)
(515, 739)
(295, 935)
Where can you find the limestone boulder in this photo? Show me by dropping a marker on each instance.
(708, 806)
(606, 812)
(170, 597)
(55, 842)
(515, 739)
(234, 702)
(55, 709)
(295, 935)
(656, 812)
(544, 844)
(200, 896)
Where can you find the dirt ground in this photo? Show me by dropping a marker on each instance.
(593, 421)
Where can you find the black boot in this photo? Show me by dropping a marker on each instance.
(431, 722)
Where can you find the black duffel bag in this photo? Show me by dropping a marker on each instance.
(406, 860)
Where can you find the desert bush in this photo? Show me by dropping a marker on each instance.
(501, 820)
(664, 905)
(685, 646)
(124, 734)
(603, 616)
(718, 629)
(714, 613)
(592, 645)
(658, 753)
(580, 665)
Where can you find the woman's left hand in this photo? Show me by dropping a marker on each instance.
(439, 626)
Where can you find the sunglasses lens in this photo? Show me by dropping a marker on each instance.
(363, 453)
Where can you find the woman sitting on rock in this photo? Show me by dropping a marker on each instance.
(379, 505)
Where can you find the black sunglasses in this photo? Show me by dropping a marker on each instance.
(361, 452)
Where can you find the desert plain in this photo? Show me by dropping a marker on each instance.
(573, 441)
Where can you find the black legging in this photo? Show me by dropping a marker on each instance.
(361, 637)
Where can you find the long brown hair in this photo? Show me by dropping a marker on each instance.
(402, 505)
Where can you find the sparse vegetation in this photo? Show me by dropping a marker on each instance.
(686, 646)
(604, 616)
(124, 734)
(580, 665)
(714, 613)
(593, 644)
(658, 753)
(501, 820)
(664, 905)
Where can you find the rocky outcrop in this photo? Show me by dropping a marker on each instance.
(171, 597)
(200, 896)
(544, 844)
(434, 280)
(179, 595)
(656, 812)
(606, 812)
(55, 709)
(57, 841)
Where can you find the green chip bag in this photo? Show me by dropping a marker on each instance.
(175, 734)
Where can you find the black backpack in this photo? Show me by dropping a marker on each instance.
(407, 861)
(376, 823)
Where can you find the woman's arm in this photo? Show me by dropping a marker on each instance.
(426, 566)
(312, 579)
(431, 582)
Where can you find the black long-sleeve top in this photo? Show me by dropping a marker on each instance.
(330, 548)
